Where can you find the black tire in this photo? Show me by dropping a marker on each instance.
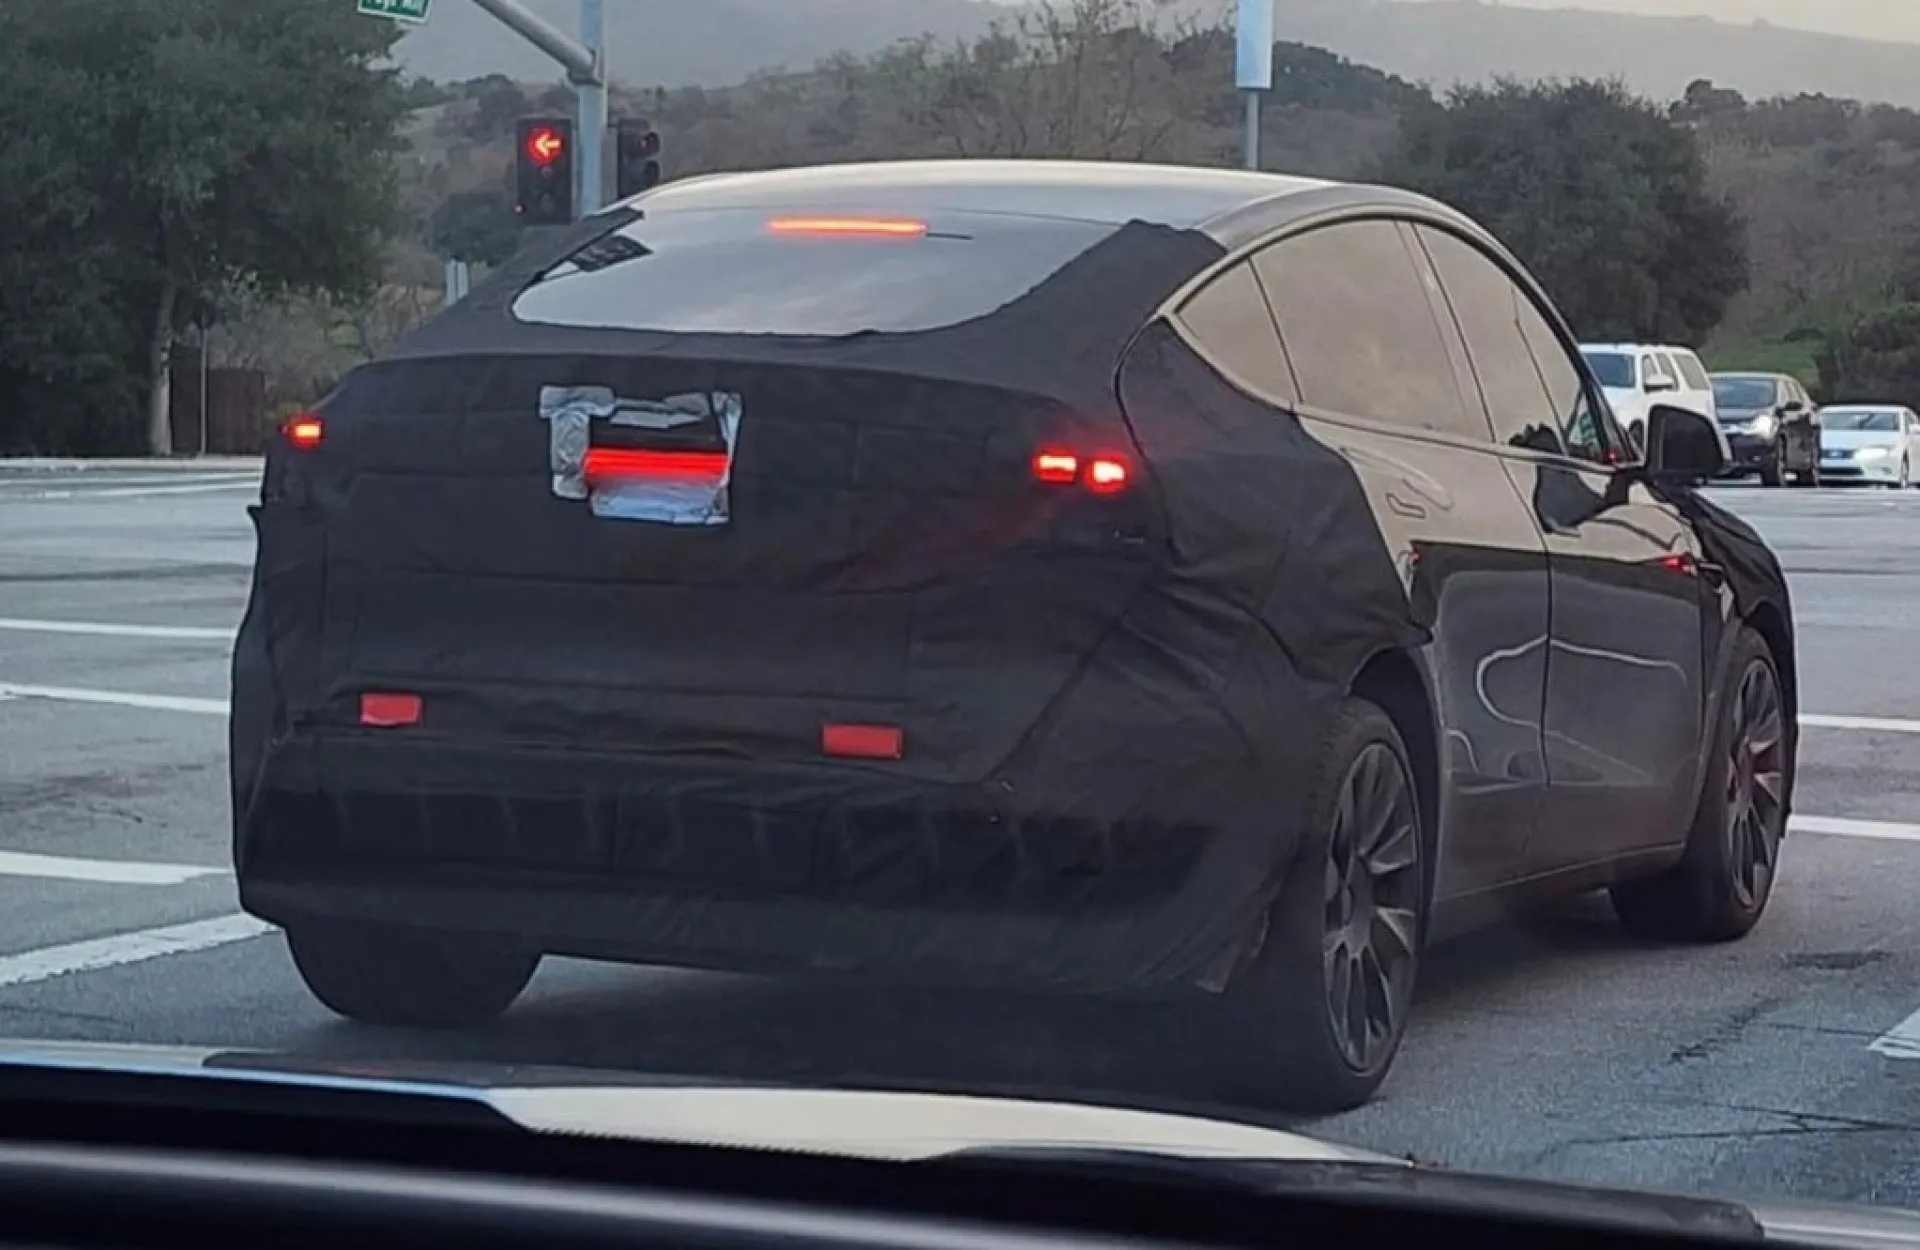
(1772, 470)
(1720, 888)
(1280, 1045)
(401, 977)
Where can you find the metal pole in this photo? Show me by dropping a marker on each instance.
(590, 101)
(1252, 154)
(544, 35)
(203, 388)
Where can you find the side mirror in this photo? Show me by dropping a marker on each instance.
(1659, 386)
(1683, 445)
(1792, 408)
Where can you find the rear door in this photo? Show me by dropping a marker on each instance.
(1380, 378)
(1624, 688)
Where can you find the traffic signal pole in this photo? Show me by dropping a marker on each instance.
(584, 59)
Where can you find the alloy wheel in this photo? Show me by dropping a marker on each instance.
(1373, 898)
(1756, 785)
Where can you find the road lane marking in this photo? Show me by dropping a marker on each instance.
(116, 698)
(1902, 1041)
(138, 492)
(1839, 827)
(108, 629)
(1866, 724)
(117, 950)
(102, 871)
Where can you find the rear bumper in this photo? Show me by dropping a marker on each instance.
(1041, 877)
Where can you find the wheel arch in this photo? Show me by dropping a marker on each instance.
(1396, 682)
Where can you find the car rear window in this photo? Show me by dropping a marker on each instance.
(1613, 369)
(1737, 393)
(804, 272)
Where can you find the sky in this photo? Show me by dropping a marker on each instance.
(1870, 19)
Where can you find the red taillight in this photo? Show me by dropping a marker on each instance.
(626, 464)
(863, 742)
(1105, 474)
(1056, 466)
(305, 432)
(389, 711)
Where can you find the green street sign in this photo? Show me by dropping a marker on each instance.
(399, 10)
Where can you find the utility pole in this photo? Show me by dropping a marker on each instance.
(584, 59)
(1253, 67)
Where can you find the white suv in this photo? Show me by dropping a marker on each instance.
(1636, 376)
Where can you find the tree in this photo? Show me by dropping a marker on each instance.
(1603, 196)
(1876, 360)
(204, 147)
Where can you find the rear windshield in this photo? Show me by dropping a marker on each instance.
(1614, 369)
(811, 273)
(1857, 420)
(1744, 392)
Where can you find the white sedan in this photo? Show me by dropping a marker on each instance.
(1869, 443)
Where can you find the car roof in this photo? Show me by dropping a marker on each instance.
(1232, 205)
(1635, 347)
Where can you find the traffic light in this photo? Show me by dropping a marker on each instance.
(543, 159)
(636, 157)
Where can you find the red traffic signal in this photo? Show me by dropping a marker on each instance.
(545, 145)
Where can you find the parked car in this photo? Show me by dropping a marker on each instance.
(1636, 376)
(1869, 443)
(1771, 425)
(1104, 578)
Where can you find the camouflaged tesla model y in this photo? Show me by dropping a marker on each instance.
(1106, 579)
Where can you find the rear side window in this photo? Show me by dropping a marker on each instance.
(806, 273)
(1690, 370)
(1360, 329)
(1230, 320)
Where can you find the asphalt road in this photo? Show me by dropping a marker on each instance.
(1773, 1067)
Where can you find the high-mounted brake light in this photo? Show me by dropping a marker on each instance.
(305, 432)
(878, 227)
(1103, 474)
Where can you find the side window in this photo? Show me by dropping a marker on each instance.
(1692, 373)
(1487, 304)
(1230, 320)
(1360, 329)
(1581, 426)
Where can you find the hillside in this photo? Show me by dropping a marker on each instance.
(712, 42)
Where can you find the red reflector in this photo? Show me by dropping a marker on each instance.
(863, 742)
(389, 711)
(1679, 564)
(627, 464)
(305, 432)
(1056, 466)
(1106, 474)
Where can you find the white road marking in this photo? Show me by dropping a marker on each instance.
(108, 629)
(1840, 827)
(1866, 724)
(96, 954)
(67, 485)
(116, 698)
(1902, 1041)
(145, 492)
(102, 871)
